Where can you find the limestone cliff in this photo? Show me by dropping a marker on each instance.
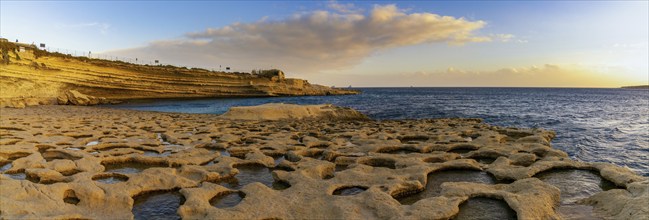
(30, 76)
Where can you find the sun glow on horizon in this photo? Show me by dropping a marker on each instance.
(537, 44)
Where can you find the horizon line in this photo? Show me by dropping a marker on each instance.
(478, 87)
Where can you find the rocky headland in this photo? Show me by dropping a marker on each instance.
(30, 76)
(324, 162)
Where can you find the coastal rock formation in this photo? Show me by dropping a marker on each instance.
(74, 162)
(36, 74)
(623, 204)
(74, 97)
(280, 111)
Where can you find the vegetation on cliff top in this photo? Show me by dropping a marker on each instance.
(7, 47)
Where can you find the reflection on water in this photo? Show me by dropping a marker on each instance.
(575, 185)
(158, 205)
(435, 180)
(485, 208)
(227, 200)
(5, 167)
(253, 173)
(151, 153)
(16, 176)
(125, 168)
(224, 152)
(349, 191)
(110, 180)
(279, 159)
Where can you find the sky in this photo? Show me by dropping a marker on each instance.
(362, 44)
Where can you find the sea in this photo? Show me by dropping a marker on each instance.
(593, 125)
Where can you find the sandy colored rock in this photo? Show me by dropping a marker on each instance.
(64, 150)
(530, 198)
(62, 99)
(623, 204)
(280, 111)
(42, 75)
(76, 98)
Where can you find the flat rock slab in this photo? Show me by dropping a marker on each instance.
(62, 162)
(280, 111)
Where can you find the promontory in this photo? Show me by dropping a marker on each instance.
(31, 76)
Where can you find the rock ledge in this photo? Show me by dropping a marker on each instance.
(281, 111)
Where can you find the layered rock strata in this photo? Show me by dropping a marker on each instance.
(29, 76)
(56, 160)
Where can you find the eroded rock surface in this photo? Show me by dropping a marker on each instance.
(74, 162)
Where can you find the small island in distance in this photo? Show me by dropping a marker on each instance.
(636, 87)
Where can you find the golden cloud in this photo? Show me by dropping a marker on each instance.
(314, 41)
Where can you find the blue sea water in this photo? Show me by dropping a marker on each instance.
(594, 125)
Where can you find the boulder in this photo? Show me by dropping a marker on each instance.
(62, 99)
(17, 104)
(31, 102)
(74, 97)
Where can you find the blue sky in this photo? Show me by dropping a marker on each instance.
(503, 43)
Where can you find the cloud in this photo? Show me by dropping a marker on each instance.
(547, 75)
(641, 45)
(502, 37)
(101, 27)
(313, 41)
(344, 8)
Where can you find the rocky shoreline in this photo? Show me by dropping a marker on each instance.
(71, 162)
(30, 76)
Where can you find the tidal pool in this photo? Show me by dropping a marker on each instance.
(151, 153)
(435, 180)
(5, 167)
(158, 205)
(110, 178)
(227, 200)
(485, 208)
(16, 176)
(349, 191)
(575, 185)
(253, 173)
(129, 167)
(224, 152)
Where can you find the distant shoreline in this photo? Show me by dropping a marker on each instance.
(479, 87)
(636, 87)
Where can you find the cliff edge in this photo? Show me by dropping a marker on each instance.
(30, 76)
